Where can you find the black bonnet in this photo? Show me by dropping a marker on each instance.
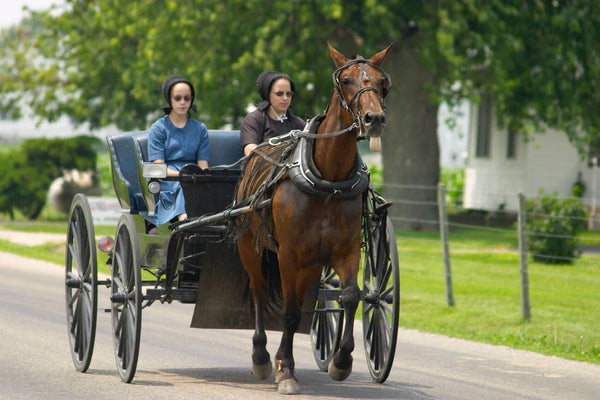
(263, 86)
(166, 89)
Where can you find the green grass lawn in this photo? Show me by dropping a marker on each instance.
(565, 299)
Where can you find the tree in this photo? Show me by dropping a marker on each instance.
(102, 62)
(27, 171)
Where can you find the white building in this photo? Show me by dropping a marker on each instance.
(502, 163)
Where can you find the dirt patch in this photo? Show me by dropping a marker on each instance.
(32, 238)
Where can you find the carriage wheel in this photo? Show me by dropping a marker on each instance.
(126, 298)
(381, 297)
(81, 283)
(328, 318)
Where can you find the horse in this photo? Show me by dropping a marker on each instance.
(306, 231)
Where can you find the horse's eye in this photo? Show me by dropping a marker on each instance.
(346, 81)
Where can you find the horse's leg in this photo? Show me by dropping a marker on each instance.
(284, 359)
(340, 365)
(294, 284)
(252, 261)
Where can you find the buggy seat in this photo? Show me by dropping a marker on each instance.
(129, 150)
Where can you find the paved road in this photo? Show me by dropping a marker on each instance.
(177, 362)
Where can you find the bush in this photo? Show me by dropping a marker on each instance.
(377, 177)
(552, 226)
(454, 180)
(27, 171)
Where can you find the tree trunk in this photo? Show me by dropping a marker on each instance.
(410, 145)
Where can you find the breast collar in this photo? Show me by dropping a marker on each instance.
(306, 176)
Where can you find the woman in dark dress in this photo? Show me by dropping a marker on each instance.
(271, 117)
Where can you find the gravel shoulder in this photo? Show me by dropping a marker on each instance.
(31, 238)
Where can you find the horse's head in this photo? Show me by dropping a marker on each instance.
(361, 86)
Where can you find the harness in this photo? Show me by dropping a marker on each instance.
(305, 175)
(297, 157)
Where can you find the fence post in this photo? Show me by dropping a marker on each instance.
(525, 308)
(591, 220)
(444, 236)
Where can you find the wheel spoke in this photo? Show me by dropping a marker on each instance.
(119, 284)
(380, 288)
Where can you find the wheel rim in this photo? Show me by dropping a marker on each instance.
(126, 299)
(326, 326)
(381, 301)
(81, 283)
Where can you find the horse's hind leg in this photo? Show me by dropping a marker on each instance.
(261, 359)
(252, 261)
(340, 365)
(294, 286)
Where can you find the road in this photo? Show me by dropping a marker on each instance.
(177, 362)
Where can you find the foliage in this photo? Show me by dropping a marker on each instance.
(28, 170)
(376, 177)
(105, 173)
(102, 62)
(552, 226)
(453, 179)
(536, 58)
(578, 187)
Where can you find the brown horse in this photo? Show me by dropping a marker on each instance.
(306, 231)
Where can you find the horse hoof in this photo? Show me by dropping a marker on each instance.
(262, 372)
(338, 374)
(288, 386)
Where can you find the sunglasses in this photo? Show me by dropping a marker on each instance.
(280, 94)
(178, 98)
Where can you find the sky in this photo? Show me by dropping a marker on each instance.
(12, 10)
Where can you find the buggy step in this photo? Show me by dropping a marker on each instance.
(187, 295)
(329, 294)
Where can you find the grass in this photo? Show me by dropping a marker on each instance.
(51, 252)
(486, 283)
(564, 299)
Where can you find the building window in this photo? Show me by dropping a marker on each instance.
(511, 144)
(483, 127)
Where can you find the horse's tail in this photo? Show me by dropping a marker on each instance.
(270, 272)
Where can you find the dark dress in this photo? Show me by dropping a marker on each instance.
(258, 127)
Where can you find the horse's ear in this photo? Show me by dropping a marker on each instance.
(378, 58)
(339, 59)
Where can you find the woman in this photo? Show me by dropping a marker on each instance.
(176, 139)
(271, 117)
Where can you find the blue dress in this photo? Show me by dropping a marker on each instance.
(178, 147)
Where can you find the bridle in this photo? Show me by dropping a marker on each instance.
(355, 111)
(356, 116)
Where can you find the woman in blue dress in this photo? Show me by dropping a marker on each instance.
(176, 139)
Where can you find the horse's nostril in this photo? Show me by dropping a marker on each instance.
(374, 118)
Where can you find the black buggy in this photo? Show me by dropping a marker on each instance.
(196, 262)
